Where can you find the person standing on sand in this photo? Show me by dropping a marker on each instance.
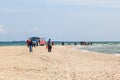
(27, 42)
(30, 46)
(49, 46)
(52, 43)
(62, 43)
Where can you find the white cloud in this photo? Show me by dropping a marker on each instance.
(2, 30)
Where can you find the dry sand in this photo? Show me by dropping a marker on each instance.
(63, 63)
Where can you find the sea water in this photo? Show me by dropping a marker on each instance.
(12, 43)
(102, 47)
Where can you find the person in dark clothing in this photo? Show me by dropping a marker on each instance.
(52, 43)
(30, 46)
(62, 43)
(75, 43)
(49, 45)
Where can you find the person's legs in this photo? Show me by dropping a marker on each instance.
(30, 47)
(47, 47)
(50, 48)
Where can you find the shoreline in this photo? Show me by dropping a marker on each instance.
(71, 46)
(115, 54)
(83, 50)
(63, 63)
(100, 47)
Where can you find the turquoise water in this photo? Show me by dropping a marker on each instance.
(103, 47)
(13, 43)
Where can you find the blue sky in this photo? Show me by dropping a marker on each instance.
(69, 20)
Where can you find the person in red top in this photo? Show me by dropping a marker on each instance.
(52, 43)
(27, 42)
(30, 45)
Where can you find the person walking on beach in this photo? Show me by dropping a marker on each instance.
(30, 46)
(49, 46)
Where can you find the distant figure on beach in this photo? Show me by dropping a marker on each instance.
(90, 43)
(75, 43)
(27, 42)
(68, 43)
(86, 43)
(49, 46)
(62, 43)
(52, 43)
(83, 43)
(30, 45)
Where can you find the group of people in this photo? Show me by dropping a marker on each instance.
(30, 45)
(75, 43)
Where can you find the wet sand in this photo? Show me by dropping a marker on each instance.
(63, 63)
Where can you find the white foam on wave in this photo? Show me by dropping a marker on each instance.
(117, 54)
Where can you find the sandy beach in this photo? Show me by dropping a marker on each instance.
(63, 63)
